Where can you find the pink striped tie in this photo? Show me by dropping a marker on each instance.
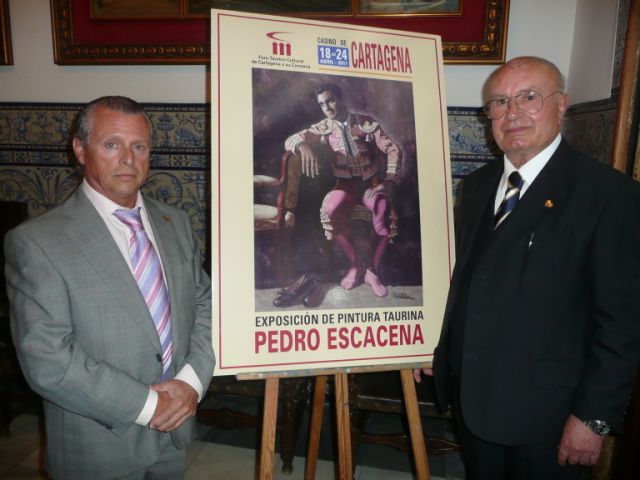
(147, 271)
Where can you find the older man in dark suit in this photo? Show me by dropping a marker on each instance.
(111, 311)
(541, 336)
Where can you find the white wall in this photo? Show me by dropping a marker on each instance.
(592, 56)
(34, 76)
(542, 27)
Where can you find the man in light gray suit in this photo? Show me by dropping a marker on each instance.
(120, 364)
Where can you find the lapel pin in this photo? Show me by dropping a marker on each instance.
(167, 218)
(548, 203)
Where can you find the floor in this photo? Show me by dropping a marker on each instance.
(223, 454)
(21, 458)
(231, 454)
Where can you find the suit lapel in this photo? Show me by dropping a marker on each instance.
(545, 196)
(480, 197)
(95, 242)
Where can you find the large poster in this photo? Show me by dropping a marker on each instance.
(332, 231)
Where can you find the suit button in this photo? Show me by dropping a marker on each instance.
(158, 357)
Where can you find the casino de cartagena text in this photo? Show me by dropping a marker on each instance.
(375, 56)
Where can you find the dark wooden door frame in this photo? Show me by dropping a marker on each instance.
(626, 158)
(625, 138)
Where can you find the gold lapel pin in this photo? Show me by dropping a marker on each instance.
(167, 218)
(548, 203)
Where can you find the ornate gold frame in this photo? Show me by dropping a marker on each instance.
(70, 19)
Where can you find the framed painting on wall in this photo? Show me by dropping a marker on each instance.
(413, 7)
(280, 7)
(177, 31)
(110, 9)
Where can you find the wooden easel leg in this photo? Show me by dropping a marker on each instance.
(269, 420)
(317, 412)
(415, 425)
(344, 433)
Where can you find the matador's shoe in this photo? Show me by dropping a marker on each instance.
(378, 288)
(350, 280)
(315, 297)
(294, 293)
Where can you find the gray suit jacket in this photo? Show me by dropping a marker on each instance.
(85, 338)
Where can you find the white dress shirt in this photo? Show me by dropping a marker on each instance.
(121, 234)
(529, 171)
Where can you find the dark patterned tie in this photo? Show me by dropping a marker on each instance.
(148, 273)
(347, 138)
(511, 197)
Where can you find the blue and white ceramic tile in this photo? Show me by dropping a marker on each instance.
(37, 166)
(589, 128)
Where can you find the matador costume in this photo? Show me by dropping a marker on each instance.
(367, 165)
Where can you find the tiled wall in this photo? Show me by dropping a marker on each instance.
(589, 127)
(36, 163)
(37, 166)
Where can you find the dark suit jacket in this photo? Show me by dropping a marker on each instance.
(551, 328)
(85, 338)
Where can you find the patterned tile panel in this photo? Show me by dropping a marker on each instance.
(37, 166)
(41, 187)
(589, 128)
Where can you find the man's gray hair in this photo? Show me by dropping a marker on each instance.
(84, 120)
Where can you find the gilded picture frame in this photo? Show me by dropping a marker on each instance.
(476, 34)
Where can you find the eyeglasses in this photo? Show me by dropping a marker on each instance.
(530, 102)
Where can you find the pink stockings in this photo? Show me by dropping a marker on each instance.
(335, 213)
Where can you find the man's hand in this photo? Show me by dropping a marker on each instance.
(310, 166)
(579, 445)
(426, 371)
(177, 401)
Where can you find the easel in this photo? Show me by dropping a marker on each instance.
(345, 466)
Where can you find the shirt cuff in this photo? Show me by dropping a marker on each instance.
(188, 375)
(149, 409)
